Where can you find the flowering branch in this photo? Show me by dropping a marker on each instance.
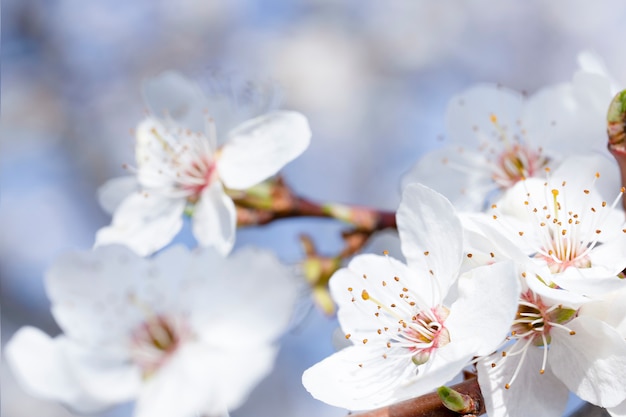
(430, 405)
(274, 199)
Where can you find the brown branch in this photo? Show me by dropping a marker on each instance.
(429, 405)
(274, 200)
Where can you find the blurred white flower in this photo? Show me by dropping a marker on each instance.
(413, 326)
(173, 332)
(498, 137)
(182, 170)
(555, 347)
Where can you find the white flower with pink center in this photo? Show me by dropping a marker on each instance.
(179, 171)
(566, 227)
(553, 348)
(172, 332)
(413, 326)
(496, 137)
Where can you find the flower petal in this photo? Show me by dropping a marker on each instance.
(263, 290)
(431, 236)
(171, 96)
(531, 394)
(202, 379)
(113, 192)
(144, 222)
(338, 380)
(40, 365)
(618, 411)
(592, 362)
(454, 173)
(99, 297)
(214, 220)
(260, 147)
(487, 302)
(469, 115)
(376, 275)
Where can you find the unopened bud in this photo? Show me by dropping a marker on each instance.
(457, 402)
(616, 120)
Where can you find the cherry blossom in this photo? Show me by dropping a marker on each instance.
(554, 348)
(174, 332)
(179, 170)
(413, 326)
(566, 227)
(497, 136)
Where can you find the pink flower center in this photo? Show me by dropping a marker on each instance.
(195, 177)
(516, 163)
(531, 329)
(155, 340)
(426, 333)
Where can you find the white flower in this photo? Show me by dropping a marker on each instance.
(611, 309)
(555, 348)
(413, 326)
(179, 169)
(183, 333)
(566, 228)
(498, 137)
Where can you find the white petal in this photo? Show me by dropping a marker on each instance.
(172, 96)
(531, 394)
(201, 379)
(90, 291)
(260, 147)
(250, 286)
(431, 235)
(215, 219)
(145, 223)
(359, 378)
(463, 177)
(41, 367)
(589, 282)
(107, 378)
(113, 192)
(468, 117)
(481, 317)
(339, 380)
(591, 363)
(618, 411)
(377, 276)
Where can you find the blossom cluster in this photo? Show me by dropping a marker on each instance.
(513, 246)
(522, 285)
(184, 333)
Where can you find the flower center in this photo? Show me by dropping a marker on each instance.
(178, 163)
(155, 340)
(425, 333)
(197, 175)
(563, 236)
(532, 325)
(516, 163)
(406, 330)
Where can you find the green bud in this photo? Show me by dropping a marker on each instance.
(455, 401)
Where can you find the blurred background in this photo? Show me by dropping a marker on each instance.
(373, 77)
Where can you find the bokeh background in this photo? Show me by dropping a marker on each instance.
(374, 78)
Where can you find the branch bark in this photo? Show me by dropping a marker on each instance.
(429, 405)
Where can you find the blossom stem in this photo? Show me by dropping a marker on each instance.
(430, 405)
(274, 200)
